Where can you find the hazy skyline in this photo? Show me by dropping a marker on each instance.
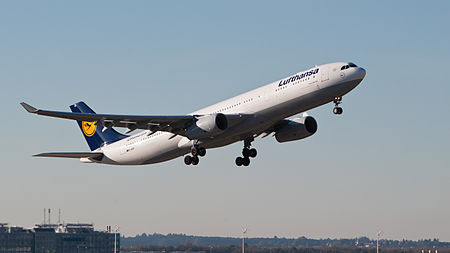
(383, 164)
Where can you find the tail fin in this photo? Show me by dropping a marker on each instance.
(93, 133)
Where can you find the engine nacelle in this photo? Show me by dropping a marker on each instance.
(207, 126)
(296, 129)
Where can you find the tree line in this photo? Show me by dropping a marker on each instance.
(187, 247)
(275, 242)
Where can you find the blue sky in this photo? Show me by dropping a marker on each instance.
(383, 164)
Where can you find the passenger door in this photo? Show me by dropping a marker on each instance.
(324, 74)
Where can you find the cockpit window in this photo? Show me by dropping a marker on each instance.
(350, 65)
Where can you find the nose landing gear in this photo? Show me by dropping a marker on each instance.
(196, 151)
(337, 101)
(247, 153)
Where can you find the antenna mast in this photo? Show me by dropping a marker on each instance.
(244, 230)
(378, 239)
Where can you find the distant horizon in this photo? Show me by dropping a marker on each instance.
(223, 236)
(363, 241)
(280, 237)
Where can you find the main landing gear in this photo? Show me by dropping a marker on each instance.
(337, 101)
(196, 151)
(247, 152)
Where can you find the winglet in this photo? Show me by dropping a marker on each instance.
(28, 107)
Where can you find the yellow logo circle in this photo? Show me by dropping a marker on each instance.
(89, 127)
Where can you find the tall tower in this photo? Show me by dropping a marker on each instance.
(244, 230)
(378, 239)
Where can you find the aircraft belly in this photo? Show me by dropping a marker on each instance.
(163, 149)
(247, 128)
(124, 155)
(148, 151)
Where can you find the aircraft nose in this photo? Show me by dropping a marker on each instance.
(360, 73)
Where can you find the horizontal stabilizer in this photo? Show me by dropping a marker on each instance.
(92, 155)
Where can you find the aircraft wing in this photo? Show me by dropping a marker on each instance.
(176, 124)
(92, 155)
(272, 129)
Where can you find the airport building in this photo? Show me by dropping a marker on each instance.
(58, 238)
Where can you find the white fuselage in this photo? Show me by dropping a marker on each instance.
(269, 104)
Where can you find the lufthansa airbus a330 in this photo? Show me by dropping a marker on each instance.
(260, 112)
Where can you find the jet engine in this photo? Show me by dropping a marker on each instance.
(207, 126)
(296, 129)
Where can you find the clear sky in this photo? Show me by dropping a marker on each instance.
(383, 164)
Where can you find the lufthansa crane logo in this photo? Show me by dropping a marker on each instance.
(89, 127)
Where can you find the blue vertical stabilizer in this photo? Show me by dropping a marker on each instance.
(92, 131)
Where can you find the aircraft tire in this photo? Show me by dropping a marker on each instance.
(246, 152)
(195, 160)
(188, 160)
(246, 161)
(201, 151)
(252, 153)
(194, 151)
(239, 161)
(336, 110)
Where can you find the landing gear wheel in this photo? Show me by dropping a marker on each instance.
(252, 153)
(201, 151)
(239, 161)
(246, 152)
(188, 160)
(337, 101)
(195, 160)
(246, 161)
(338, 110)
(194, 151)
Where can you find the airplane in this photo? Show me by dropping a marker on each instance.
(260, 112)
